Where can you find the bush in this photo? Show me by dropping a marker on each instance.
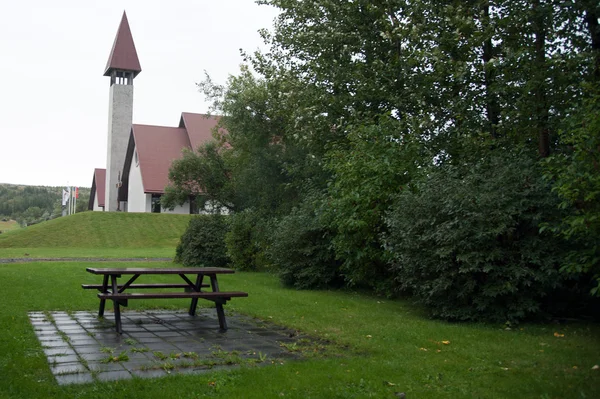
(244, 240)
(203, 243)
(466, 242)
(301, 250)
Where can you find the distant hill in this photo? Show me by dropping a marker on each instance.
(33, 204)
(101, 230)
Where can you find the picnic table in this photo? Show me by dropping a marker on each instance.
(192, 288)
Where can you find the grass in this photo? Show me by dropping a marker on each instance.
(8, 225)
(100, 230)
(167, 252)
(392, 347)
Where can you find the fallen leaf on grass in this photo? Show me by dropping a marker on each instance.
(446, 342)
(369, 336)
(596, 367)
(557, 335)
(423, 349)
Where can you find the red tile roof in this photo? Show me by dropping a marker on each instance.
(123, 55)
(157, 147)
(98, 185)
(198, 126)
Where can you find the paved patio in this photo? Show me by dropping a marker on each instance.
(82, 348)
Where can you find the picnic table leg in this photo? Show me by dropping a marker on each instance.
(116, 305)
(197, 287)
(220, 312)
(104, 291)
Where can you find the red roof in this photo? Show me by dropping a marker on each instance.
(157, 147)
(198, 126)
(123, 55)
(98, 185)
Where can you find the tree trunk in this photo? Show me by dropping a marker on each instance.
(488, 55)
(540, 84)
(591, 18)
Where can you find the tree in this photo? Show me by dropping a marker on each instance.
(202, 175)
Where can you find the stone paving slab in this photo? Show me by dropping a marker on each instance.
(82, 348)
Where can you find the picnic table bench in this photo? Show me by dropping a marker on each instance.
(115, 292)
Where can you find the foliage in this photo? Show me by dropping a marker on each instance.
(466, 242)
(576, 178)
(368, 171)
(300, 249)
(246, 241)
(201, 174)
(203, 243)
(356, 101)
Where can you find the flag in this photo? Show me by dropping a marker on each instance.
(76, 192)
(66, 194)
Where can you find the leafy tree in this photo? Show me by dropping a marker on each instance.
(201, 174)
(576, 177)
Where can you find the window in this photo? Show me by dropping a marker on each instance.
(193, 205)
(155, 204)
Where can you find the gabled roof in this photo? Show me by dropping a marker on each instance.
(98, 186)
(198, 126)
(123, 55)
(158, 146)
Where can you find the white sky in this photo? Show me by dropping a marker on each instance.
(54, 99)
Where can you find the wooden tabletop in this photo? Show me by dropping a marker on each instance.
(159, 270)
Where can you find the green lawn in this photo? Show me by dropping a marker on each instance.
(100, 230)
(8, 225)
(59, 252)
(394, 347)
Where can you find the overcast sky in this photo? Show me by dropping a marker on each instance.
(54, 99)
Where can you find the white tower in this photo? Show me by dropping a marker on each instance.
(123, 66)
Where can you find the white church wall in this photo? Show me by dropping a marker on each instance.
(137, 200)
(97, 207)
(179, 209)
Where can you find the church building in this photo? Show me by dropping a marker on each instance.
(139, 156)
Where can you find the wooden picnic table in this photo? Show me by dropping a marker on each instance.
(192, 288)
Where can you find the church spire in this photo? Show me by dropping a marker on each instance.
(123, 56)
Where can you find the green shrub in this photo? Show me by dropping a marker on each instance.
(466, 242)
(203, 243)
(301, 251)
(243, 240)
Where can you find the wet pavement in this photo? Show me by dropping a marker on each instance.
(82, 348)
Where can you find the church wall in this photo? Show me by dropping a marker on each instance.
(96, 206)
(180, 209)
(137, 200)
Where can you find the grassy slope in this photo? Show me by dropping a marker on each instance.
(97, 234)
(9, 225)
(388, 340)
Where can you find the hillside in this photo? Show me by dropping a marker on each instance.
(33, 204)
(101, 230)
